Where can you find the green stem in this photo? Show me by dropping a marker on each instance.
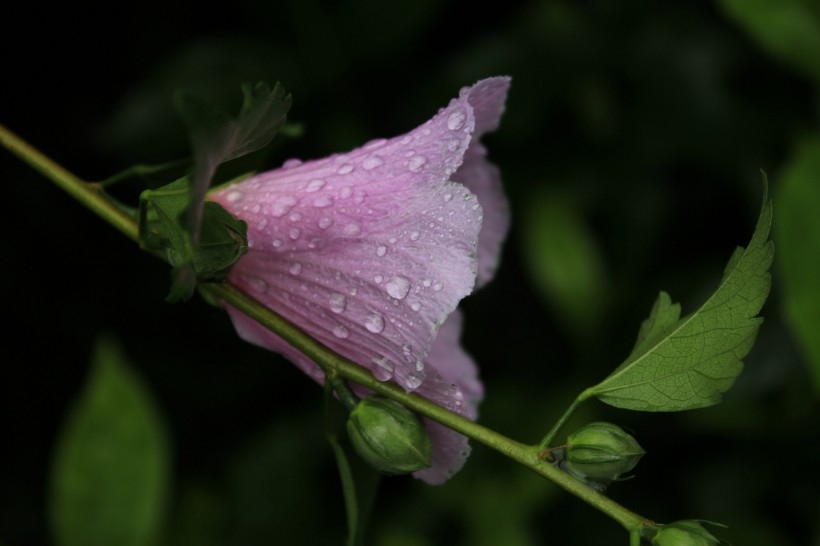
(92, 196)
(89, 194)
(547, 441)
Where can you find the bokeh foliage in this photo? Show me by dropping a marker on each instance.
(631, 150)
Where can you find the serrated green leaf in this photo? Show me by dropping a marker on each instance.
(798, 239)
(789, 29)
(217, 137)
(109, 482)
(679, 364)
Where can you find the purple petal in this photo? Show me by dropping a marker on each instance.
(368, 251)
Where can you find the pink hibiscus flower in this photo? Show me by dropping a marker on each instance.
(371, 251)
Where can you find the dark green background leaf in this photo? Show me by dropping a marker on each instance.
(110, 479)
(797, 233)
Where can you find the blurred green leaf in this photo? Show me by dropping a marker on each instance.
(797, 231)
(789, 29)
(109, 482)
(564, 261)
(679, 364)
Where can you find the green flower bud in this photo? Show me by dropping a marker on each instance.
(389, 436)
(684, 533)
(602, 452)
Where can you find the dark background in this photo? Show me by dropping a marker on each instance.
(647, 121)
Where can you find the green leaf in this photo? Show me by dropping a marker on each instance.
(109, 482)
(798, 240)
(564, 261)
(789, 29)
(217, 137)
(679, 364)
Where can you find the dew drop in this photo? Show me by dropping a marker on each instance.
(337, 303)
(476, 206)
(426, 283)
(325, 222)
(314, 185)
(282, 205)
(415, 306)
(352, 229)
(258, 285)
(359, 196)
(452, 144)
(448, 197)
(295, 269)
(341, 332)
(256, 208)
(378, 279)
(372, 162)
(406, 140)
(346, 192)
(295, 217)
(347, 168)
(456, 120)
(381, 250)
(437, 286)
(383, 369)
(263, 223)
(322, 201)
(398, 287)
(412, 381)
(354, 291)
(276, 243)
(290, 163)
(233, 196)
(294, 233)
(407, 352)
(375, 143)
(374, 322)
(416, 163)
(414, 235)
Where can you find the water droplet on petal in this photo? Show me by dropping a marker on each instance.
(414, 235)
(406, 140)
(295, 217)
(452, 144)
(426, 283)
(378, 279)
(352, 229)
(456, 120)
(233, 196)
(412, 381)
(416, 163)
(315, 185)
(375, 143)
(346, 192)
(398, 287)
(294, 233)
(448, 197)
(263, 223)
(258, 285)
(290, 163)
(325, 222)
(322, 201)
(337, 303)
(347, 168)
(282, 205)
(407, 351)
(415, 306)
(383, 369)
(341, 332)
(256, 208)
(372, 162)
(295, 268)
(276, 243)
(381, 250)
(374, 322)
(437, 286)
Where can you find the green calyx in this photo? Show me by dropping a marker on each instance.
(684, 533)
(388, 436)
(602, 452)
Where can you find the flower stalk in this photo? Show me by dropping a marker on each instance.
(94, 197)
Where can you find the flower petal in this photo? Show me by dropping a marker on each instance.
(369, 251)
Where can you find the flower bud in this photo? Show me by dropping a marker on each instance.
(389, 436)
(684, 533)
(602, 452)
